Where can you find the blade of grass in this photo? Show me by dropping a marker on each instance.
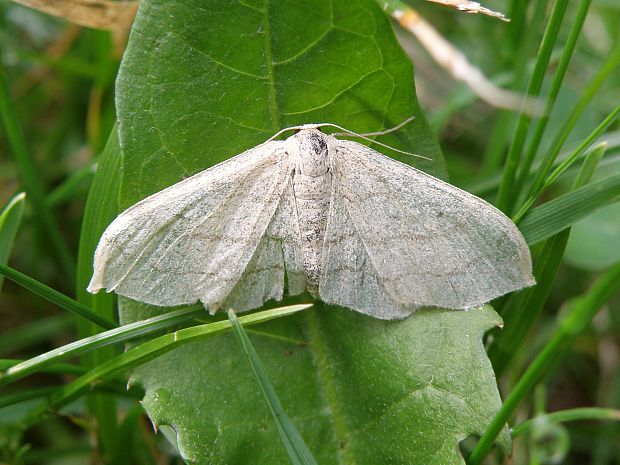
(612, 62)
(595, 135)
(62, 368)
(579, 316)
(556, 215)
(113, 336)
(505, 196)
(298, 451)
(556, 84)
(518, 64)
(566, 164)
(55, 297)
(30, 177)
(488, 185)
(24, 395)
(143, 353)
(523, 309)
(21, 396)
(563, 416)
(517, 12)
(10, 219)
(101, 208)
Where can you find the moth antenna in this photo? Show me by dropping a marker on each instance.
(299, 128)
(348, 133)
(366, 137)
(380, 133)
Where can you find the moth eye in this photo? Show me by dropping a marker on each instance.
(318, 143)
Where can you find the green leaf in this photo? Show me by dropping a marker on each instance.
(202, 81)
(358, 389)
(10, 219)
(558, 214)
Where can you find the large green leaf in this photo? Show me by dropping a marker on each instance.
(203, 80)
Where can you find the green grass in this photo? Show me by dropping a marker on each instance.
(67, 356)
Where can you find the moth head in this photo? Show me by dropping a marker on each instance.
(310, 147)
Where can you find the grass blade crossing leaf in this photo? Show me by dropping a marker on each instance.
(148, 351)
(295, 446)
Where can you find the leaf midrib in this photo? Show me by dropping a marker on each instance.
(327, 384)
(273, 103)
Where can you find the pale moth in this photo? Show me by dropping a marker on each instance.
(313, 213)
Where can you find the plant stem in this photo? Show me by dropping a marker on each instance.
(582, 311)
(584, 413)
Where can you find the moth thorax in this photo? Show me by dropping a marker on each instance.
(310, 149)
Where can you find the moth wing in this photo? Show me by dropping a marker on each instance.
(278, 259)
(348, 275)
(428, 242)
(193, 240)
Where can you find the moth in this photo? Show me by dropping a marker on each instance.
(313, 213)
